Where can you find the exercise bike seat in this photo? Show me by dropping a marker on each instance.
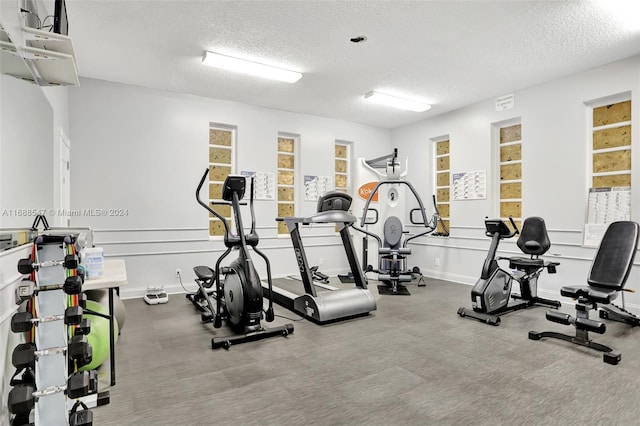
(534, 241)
(203, 273)
(525, 262)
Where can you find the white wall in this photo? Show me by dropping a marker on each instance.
(26, 138)
(145, 150)
(555, 168)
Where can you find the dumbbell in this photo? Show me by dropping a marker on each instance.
(28, 377)
(25, 354)
(83, 328)
(23, 321)
(25, 291)
(22, 398)
(21, 420)
(27, 266)
(82, 384)
(80, 350)
(80, 415)
(72, 285)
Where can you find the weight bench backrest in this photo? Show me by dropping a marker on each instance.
(534, 239)
(392, 233)
(613, 261)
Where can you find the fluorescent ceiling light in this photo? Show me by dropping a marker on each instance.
(248, 67)
(625, 12)
(396, 102)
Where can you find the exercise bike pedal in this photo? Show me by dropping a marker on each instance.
(206, 317)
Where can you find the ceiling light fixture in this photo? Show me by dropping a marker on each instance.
(396, 102)
(248, 67)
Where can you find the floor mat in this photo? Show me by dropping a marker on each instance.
(385, 290)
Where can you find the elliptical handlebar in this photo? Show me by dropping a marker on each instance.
(515, 227)
(205, 206)
(253, 214)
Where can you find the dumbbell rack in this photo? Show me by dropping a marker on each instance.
(52, 399)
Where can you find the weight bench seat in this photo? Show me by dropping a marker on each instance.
(402, 278)
(390, 251)
(591, 294)
(609, 272)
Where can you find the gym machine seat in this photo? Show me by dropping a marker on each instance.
(609, 272)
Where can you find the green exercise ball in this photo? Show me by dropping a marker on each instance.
(102, 297)
(98, 338)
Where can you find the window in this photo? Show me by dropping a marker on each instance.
(611, 145)
(511, 172)
(342, 157)
(443, 179)
(286, 180)
(221, 159)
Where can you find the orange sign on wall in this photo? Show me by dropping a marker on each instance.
(365, 190)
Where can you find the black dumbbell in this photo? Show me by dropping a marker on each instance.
(83, 328)
(24, 355)
(22, 397)
(23, 376)
(21, 400)
(71, 261)
(23, 321)
(80, 350)
(21, 420)
(25, 266)
(80, 415)
(82, 384)
(73, 285)
(73, 315)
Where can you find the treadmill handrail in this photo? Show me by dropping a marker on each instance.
(329, 216)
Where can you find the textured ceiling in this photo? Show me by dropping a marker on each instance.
(448, 53)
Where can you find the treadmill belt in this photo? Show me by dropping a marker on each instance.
(294, 286)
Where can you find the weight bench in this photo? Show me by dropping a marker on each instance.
(609, 272)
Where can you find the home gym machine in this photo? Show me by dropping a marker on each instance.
(609, 272)
(239, 299)
(491, 294)
(335, 303)
(392, 246)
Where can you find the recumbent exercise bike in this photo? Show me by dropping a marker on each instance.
(491, 294)
(239, 299)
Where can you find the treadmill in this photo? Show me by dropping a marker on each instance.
(335, 303)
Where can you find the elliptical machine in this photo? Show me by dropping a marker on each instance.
(490, 296)
(239, 297)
